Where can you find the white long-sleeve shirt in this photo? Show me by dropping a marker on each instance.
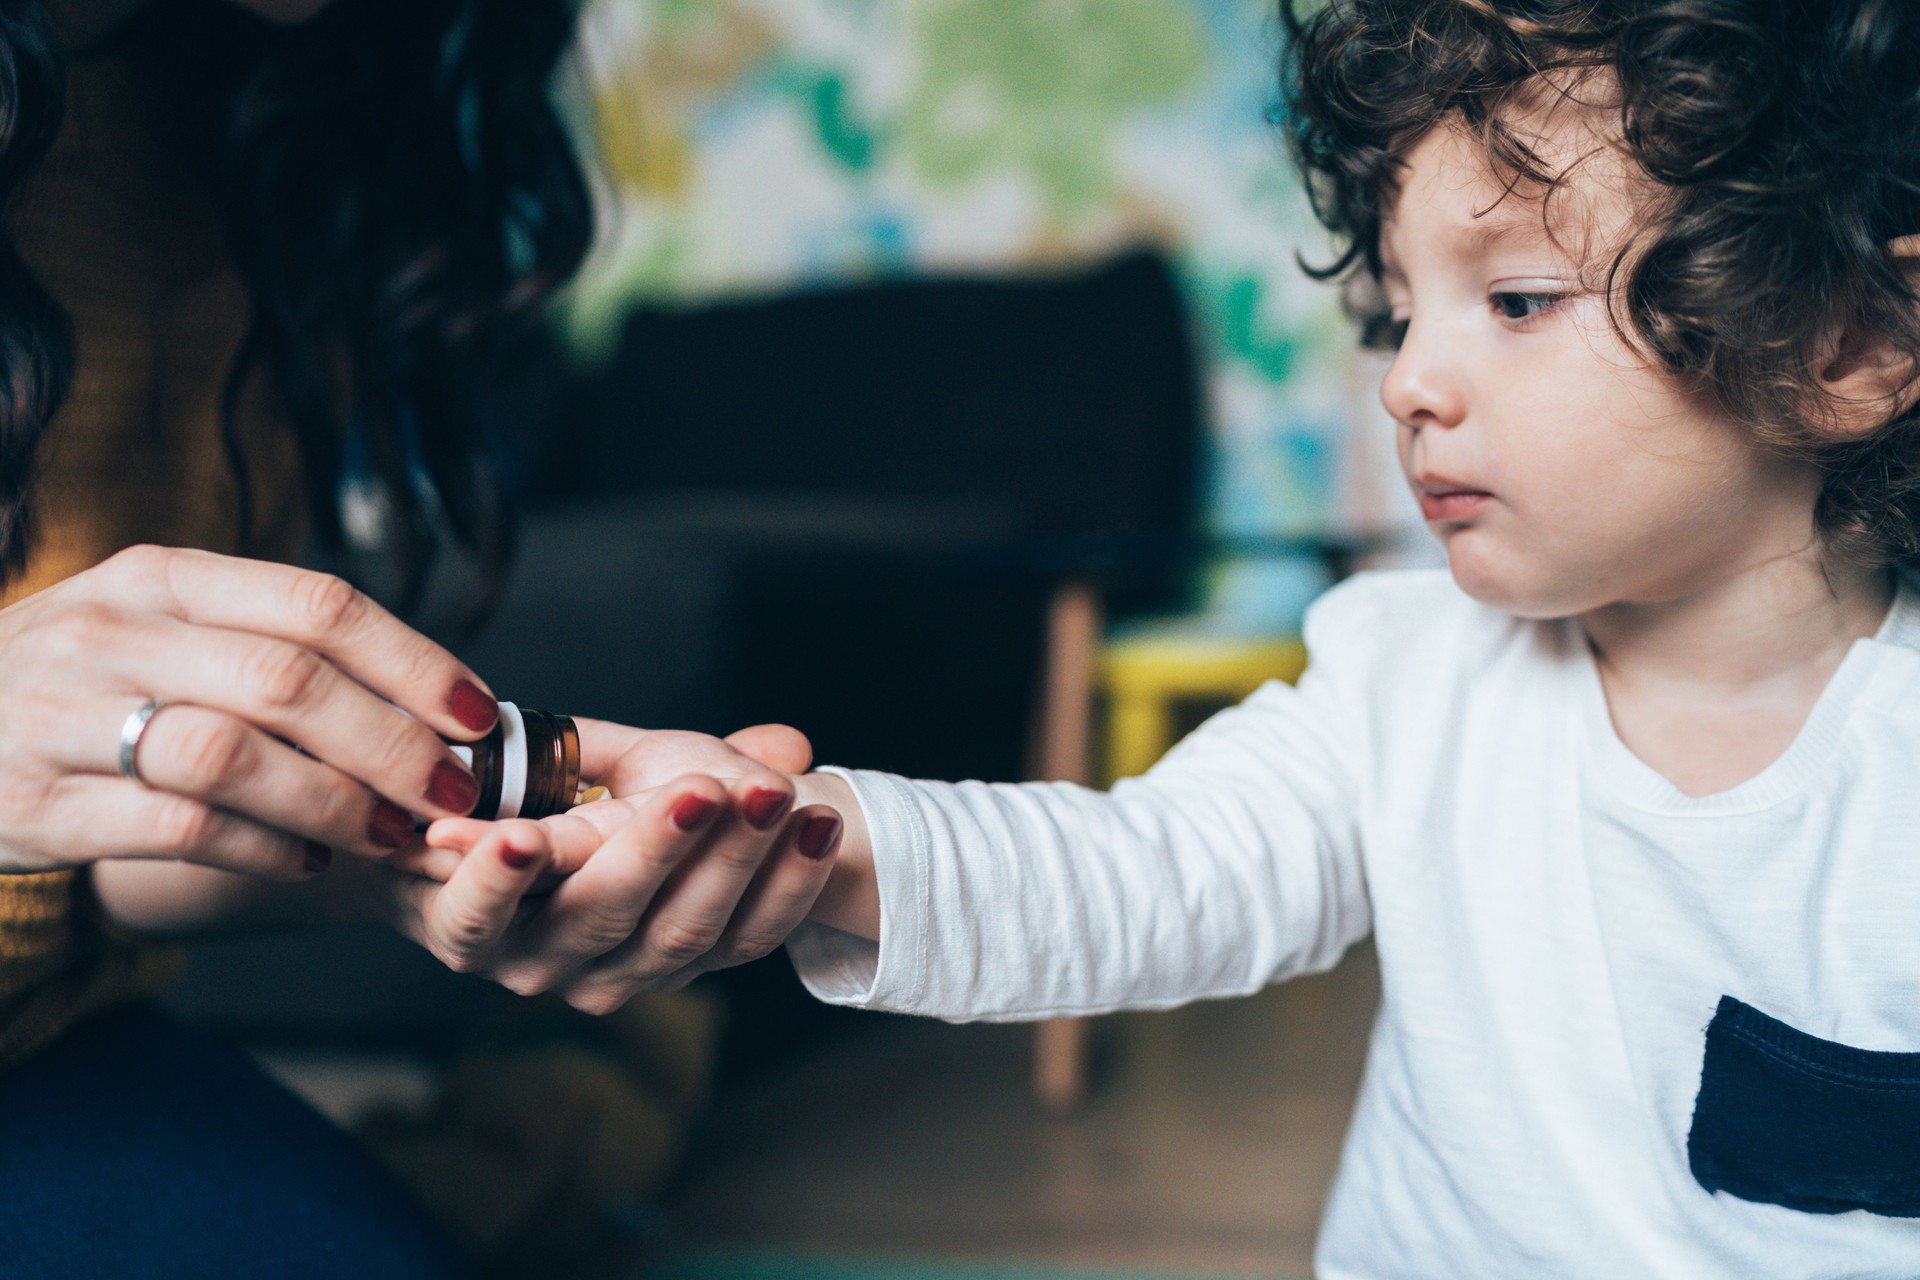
(1557, 926)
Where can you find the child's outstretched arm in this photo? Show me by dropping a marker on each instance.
(1234, 863)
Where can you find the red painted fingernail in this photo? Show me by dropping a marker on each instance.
(690, 813)
(817, 838)
(518, 859)
(471, 707)
(452, 787)
(319, 857)
(764, 807)
(390, 825)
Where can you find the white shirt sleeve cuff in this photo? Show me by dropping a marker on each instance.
(842, 969)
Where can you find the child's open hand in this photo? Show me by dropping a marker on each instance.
(697, 862)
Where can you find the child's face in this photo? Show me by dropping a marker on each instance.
(1595, 481)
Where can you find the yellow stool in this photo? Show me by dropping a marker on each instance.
(1146, 677)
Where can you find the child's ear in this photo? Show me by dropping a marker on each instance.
(1868, 380)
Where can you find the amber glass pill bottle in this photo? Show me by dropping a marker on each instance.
(528, 767)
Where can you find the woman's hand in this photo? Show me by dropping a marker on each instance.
(699, 862)
(251, 660)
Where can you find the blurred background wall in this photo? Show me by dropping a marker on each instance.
(756, 146)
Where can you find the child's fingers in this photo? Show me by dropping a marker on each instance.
(458, 834)
(572, 838)
(463, 920)
(588, 822)
(773, 905)
(779, 747)
(575, 836)
(602, 743)
(596, 909)
(426, 861)
(608, 814)
(437, 855)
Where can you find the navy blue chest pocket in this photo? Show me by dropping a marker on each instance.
(1790, 1119)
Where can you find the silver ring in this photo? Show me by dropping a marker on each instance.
(131, 732)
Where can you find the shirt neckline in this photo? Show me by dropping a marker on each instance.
(1638, 783)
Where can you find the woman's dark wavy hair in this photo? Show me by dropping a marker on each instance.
(401, 197)
(1784, 139)
(36, 348)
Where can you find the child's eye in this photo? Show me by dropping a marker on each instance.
(1382, 333)
(1523, 306)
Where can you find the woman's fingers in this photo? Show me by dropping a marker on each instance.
(252, 656)
(595, 910)
(95, 817)
(462, 921)
(781, 895)
(694, 909)
(680, 890)
(771, 907)
(315, 611)
(693, 877)
(297, 695)
(220, 759)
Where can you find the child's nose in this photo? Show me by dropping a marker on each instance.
(1422, 388)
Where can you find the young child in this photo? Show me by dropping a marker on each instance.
(1628, 797)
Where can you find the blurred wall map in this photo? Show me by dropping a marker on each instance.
(756, 146)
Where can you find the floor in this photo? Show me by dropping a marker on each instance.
(1206, 1148)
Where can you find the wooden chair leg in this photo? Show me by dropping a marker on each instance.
(1065, 754)
(1060, 1063)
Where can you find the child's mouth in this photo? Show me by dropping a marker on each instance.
(1444, 500)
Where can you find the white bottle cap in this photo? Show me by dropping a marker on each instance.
(513, 761)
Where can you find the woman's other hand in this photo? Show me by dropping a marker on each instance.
(700, 861)
(297, 717)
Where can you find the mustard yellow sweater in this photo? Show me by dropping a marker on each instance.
(116, 223)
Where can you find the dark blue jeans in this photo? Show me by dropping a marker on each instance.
(134, 1147)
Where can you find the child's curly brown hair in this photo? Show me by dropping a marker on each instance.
(1783, 138)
